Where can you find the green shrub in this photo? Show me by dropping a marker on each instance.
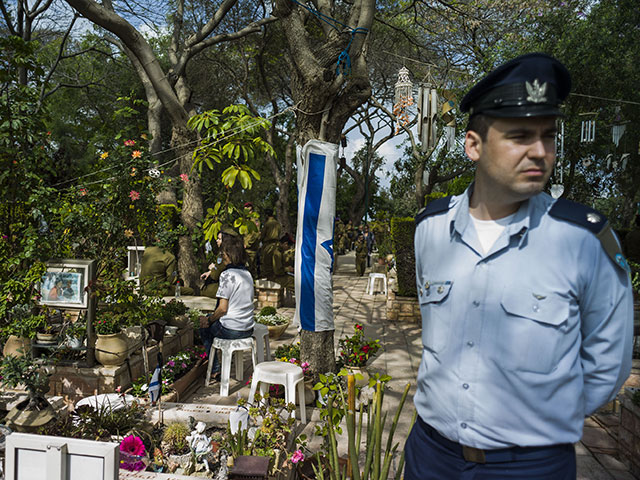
(402, 232)
(267, 311)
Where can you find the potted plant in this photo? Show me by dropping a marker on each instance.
(354, 351)
(22, 328)
(74, 333)
(35, 411)
(111, 346)
(175, 313)
(276, 322)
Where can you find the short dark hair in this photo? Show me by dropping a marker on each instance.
(480, 124)
(233, 247)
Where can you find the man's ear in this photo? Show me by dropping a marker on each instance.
(473, 145)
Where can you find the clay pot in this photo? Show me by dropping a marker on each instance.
(16, 346)
(181, 321)
(309, 393)
(21, 419)
(276, 331)
(46, 338)
(111, 350)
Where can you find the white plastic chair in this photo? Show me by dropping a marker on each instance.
(372, 280)
(261, 334)
(281, 373)
(228, 347)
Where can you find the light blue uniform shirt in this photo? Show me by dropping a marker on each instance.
(523, 342)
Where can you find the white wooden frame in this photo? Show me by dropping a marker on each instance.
(41, 457)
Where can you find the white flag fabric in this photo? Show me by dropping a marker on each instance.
(154, 385)
(317, 163)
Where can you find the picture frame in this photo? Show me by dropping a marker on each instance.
(65, 283)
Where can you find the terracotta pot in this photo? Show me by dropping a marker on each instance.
(181, 321)
(276, 331)
(111, 350)
(309, 393)
(20, 419)
(16, 346)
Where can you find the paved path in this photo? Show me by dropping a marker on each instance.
(596, 453)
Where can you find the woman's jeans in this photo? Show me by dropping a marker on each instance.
(216, 330)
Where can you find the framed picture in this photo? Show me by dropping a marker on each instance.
(64, 283)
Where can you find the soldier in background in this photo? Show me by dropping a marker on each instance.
(252, 246)
(270, 238)
(158, 271)
(361, 254)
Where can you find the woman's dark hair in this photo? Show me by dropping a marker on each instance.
(233, 247)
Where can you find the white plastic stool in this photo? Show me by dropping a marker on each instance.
(261, 334)
(228, 347)
(281, 373)
(372, 279)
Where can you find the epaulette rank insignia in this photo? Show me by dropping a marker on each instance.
(593, 221)
(436, 206)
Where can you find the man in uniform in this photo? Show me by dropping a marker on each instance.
(361, 255)
(158, 271)
(270, 238)
(526, 302)
(251, 246)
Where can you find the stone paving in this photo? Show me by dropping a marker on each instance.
(596, 452)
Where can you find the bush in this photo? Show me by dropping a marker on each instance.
(267, 311)
(402, 232)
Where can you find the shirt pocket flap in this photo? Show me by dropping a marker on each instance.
(434, 292)
(549, 309)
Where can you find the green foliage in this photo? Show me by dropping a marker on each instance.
(377, 459)
(271, 438)
(356, 350)
(268, 310)
(98, 423)
(402, 233)
(23, 370)
(23, 322)
(230, 138)
(175, 438)
(286, 352)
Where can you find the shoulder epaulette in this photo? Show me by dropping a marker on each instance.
(436, 206)
(593, 221)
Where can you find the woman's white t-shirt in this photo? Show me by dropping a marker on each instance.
(236, 285)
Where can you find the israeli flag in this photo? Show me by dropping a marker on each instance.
(154, 385)
(317, 163)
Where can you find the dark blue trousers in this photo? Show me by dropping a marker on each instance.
(429, 456)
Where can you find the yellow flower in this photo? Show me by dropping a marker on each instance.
(104, 155)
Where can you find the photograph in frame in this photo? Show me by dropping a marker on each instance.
(63, 285)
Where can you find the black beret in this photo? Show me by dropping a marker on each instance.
(531, 85)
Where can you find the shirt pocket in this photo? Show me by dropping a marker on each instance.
(435, 307)
(532, 330)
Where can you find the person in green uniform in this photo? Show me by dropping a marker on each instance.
(287, 246)
(338, 233)
(158, 272)
(282, 274)
(351, 235)
(251, 246)
(270, 238)
(361, 254)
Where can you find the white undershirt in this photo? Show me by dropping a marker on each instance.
(490, 230)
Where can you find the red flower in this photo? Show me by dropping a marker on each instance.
(358, 326)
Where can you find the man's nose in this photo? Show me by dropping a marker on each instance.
(539, 148)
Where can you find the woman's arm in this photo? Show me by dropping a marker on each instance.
(221, 309)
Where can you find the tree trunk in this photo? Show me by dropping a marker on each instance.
(325, 101)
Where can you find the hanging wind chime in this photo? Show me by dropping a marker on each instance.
(403, 98)
(427, 111)
(557, 189)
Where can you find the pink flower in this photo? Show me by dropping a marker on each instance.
(184, 365)
(129, 143)
(118, 388)
(184, 177)
(297, 456)
(171, 363)
(133, 195)
(132, 445)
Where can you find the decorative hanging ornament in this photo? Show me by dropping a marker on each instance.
(154, 173)
(427, 113)
(588, 131)
(624, 159)
(617, 131)
(403, 98)
(557, 189)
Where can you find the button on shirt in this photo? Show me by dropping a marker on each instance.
(523, 342)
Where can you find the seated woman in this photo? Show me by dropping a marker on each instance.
(212, 276)
(233, 318)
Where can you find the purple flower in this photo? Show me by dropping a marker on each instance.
(171, 363)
